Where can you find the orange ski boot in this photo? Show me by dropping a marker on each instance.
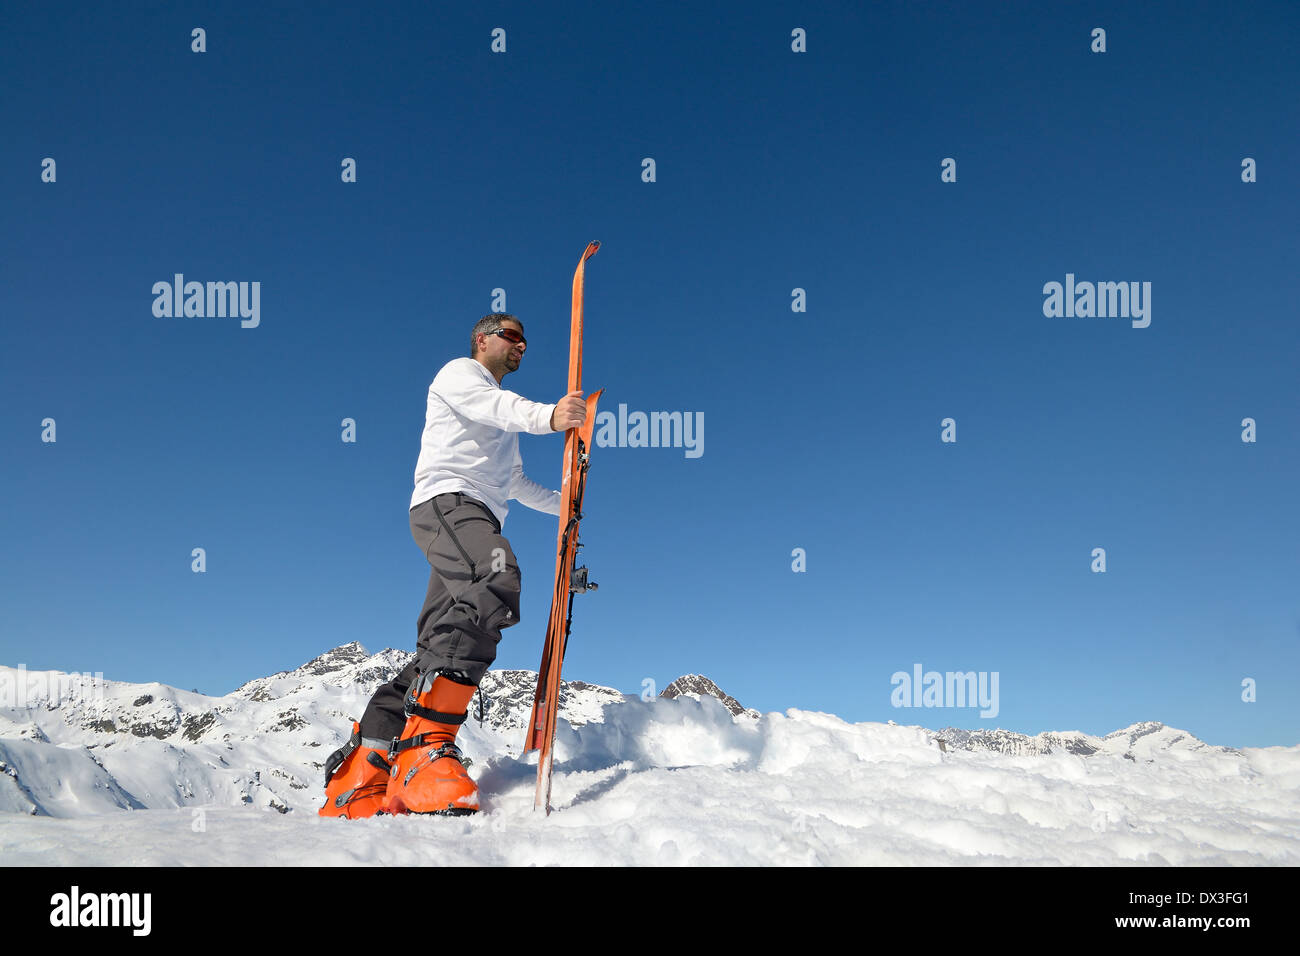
(356, 777)
(428, 774)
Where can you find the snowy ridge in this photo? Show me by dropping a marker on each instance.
(1140, 741)
(662, 781)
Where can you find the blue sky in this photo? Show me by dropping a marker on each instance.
(775, 170)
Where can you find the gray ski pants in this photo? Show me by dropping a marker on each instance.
(473, 593)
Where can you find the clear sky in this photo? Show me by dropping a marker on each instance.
(774, 170)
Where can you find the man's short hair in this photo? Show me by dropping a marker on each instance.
(489, 323)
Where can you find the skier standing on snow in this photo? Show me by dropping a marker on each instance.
(402, 756)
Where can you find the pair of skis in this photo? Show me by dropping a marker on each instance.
(569, 580)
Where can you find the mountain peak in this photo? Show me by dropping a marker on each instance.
(702, 686)
(1134, 731)
(334, 660)
(347, 665)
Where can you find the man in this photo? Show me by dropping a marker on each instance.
(402, 756)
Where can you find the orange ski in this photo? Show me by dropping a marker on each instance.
(568, 579)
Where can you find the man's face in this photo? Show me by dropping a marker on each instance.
(498, 353)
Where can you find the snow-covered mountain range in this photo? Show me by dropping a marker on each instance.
(713, 777)
(95, 746)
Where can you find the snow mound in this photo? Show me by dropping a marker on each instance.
(680, 781)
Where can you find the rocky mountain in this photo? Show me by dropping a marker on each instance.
(700, 686)
(347, 666)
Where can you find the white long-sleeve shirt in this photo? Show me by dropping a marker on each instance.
(471, 441)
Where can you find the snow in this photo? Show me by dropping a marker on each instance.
(660, 782)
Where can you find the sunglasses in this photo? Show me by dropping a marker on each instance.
(510, 335)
